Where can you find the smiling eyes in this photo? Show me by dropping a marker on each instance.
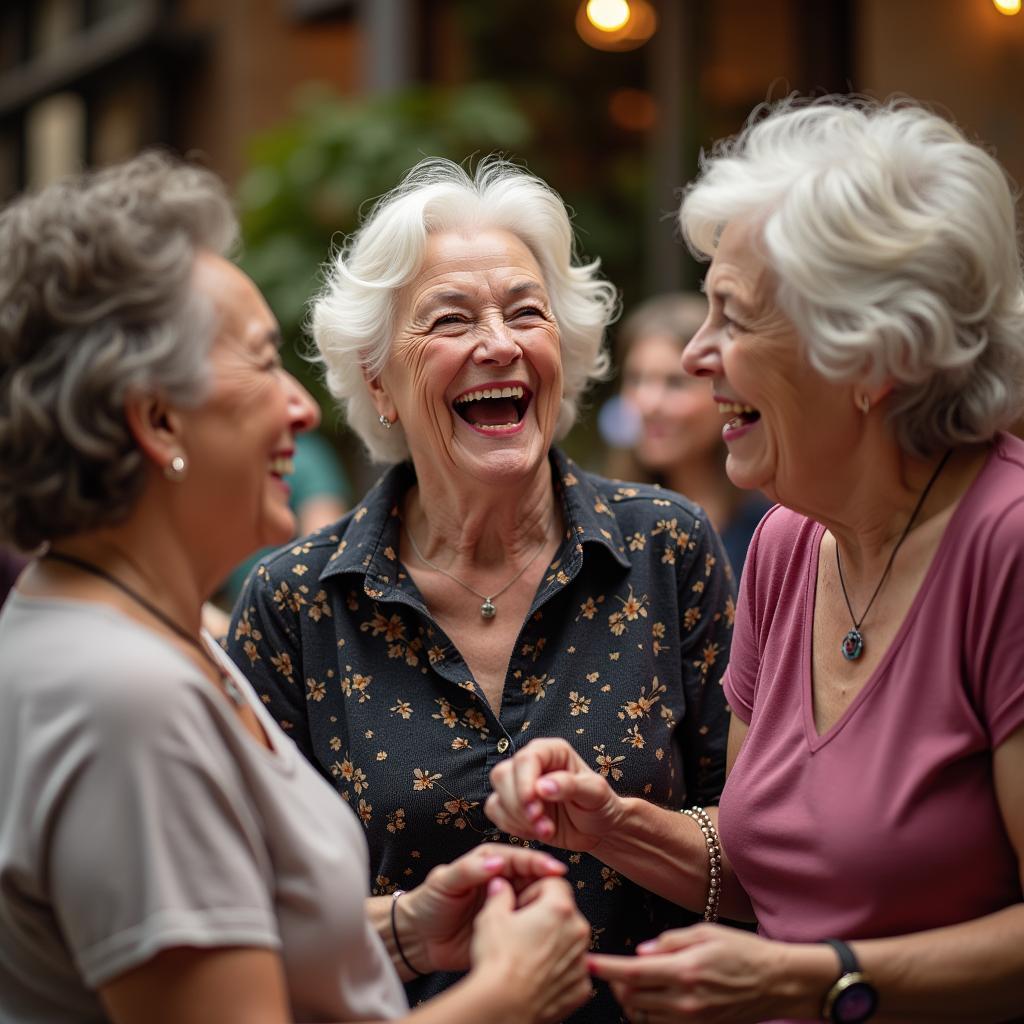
(453, 319)
(718, 299)
(272, 363)
(446, 319)
(725, 323)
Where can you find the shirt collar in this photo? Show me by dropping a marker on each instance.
(370, 533)
(370, 541)
(586, 512)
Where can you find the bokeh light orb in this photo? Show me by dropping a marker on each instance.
(608, 15)
(616, 24)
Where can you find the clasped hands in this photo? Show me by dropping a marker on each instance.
(705, 973)
(508, 911)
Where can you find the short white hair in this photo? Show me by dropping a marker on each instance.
(893, 241)
(353, 318)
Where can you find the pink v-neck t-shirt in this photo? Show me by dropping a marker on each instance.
(888, 822)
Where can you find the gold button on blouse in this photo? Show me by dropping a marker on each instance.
(502, 744)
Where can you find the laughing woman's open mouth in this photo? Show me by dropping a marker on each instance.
(498, 408)
(743, 417)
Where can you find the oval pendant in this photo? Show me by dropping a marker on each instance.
(487, 609)
(852, 645)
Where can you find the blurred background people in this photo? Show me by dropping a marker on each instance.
(677, 424)
(165, 853)
(487, 589)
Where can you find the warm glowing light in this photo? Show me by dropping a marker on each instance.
(616, 24)
(611, 15)
(1007, 6)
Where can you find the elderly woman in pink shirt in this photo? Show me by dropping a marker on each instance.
(865, 343)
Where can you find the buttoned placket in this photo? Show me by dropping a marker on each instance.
(398, 587)
(450, 665)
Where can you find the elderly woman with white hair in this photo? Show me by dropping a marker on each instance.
(865, 342)
(487, 590)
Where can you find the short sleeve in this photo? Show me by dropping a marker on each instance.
(150, 840)
(996, 629)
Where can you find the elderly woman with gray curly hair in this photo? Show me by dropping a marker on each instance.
(865, 342)
(487, 590)
(165, 854)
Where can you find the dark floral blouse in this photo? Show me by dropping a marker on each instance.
(622, 654)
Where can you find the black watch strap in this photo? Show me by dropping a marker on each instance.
(847, 960)
(852, 999)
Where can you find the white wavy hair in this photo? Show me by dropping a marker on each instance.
(893, 241)
(353, 317)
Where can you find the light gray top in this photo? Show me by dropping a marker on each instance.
(137, 814)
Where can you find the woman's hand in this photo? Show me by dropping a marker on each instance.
(538, 946)
(716, 975)
(548, 792)
(435, 920)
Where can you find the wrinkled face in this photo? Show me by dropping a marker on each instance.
(475, 372)
(785, 424)
(239, 443)
(679, 419)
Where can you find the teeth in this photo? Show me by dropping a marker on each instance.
(282, 466)
(496, 426)
(515, 391)
(735, 407)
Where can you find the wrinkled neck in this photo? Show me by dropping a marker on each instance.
(482, 526)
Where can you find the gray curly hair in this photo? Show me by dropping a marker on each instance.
(96, 303)
(353, 318)
(893, 240)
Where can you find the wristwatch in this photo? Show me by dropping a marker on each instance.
(852, 999)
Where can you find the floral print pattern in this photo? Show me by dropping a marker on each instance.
(622, 654)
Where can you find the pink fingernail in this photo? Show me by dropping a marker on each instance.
(493, 862)
(647, 947)
(548, 787)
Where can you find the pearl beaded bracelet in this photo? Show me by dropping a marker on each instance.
(710, 833)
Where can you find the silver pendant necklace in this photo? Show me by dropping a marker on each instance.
(852, 646)
(487, 609)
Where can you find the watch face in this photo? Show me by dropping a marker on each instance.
(855, 1003)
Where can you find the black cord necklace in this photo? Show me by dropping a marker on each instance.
(231, 688)
(852, 646)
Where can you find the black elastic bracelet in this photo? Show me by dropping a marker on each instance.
(394, 933)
